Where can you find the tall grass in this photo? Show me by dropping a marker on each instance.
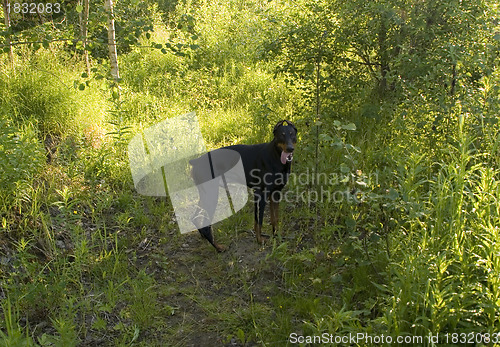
(21, 158)
(441, 282)
(436, 272)
(42, 91)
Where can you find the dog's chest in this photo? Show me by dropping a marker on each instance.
(269, 176)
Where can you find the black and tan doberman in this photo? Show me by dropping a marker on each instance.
(266, 167)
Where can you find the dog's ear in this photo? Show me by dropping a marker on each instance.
(280, 123)
(291, 124)
(284, 122)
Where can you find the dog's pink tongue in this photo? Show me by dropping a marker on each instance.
(284, 156)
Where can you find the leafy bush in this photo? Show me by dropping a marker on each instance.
(42, 91)
(21, 157)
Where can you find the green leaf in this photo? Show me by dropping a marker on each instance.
(79, 8)
(81, 86)
(349, 146)
(148, 36)
(350, 223)
(337, 144)
(393, 194)
(337, 278)
(85, 75)
(45, 44)
(240, 334)
(350, 126)
(325, 137)
(374, 237)
(344, 168)
(382, 288)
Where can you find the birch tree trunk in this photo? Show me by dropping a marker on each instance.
(6, 16)
(84, 19)
(113, 56)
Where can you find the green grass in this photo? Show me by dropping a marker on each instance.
(410, 249)
(42, 91)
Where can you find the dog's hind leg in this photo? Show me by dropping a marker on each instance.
(206, 232)
(209, 194)
(205, 213)
(260, 204)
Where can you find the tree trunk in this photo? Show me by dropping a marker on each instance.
(453, 79)
(113, 56)
(384, 57)
(84, 19)
(6, 16)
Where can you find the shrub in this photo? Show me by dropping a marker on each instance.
(42, 91)
(21, 157)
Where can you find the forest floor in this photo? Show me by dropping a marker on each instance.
(202, 296)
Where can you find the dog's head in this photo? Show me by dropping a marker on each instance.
(285, 136)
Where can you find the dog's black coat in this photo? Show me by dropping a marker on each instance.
(266, 166)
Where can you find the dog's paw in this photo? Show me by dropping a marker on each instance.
(220, 248)
(263, 238)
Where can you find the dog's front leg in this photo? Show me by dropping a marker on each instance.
(274, 207)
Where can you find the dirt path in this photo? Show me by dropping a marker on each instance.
(207, 297)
